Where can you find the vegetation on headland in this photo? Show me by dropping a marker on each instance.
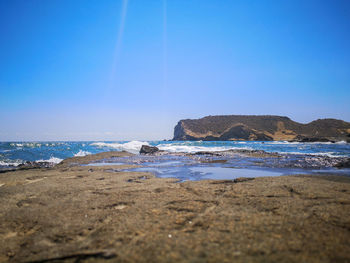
(261, 128)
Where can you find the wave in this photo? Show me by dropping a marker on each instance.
(16, 144)
(17, 163)
(306, 143)
(132, 146)
(37, 144)
(5, 151)
(51, 160)
(328, 154)
(2, 163)
(341, 142)
(27, 144)
(193, 149)
(82, 153)
(282, 142)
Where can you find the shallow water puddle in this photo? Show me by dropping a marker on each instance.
(208, 167)
(226, 173)
(103, 164)
(166, 163)
(185, 173)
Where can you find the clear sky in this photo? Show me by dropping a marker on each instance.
(123, 70)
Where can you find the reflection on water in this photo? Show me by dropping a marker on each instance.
(189, 169)
(103, 164)
(194, 167)
(225, 173)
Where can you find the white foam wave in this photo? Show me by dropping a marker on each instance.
(341, 142)
(305, 143)
(5, 151)
(52, 144)
(82, 153)
(132, 146)
(2, 163)
(281, 142)
(27, 144)
(193, 149)
(37, 144)
(328, 154)
(51, 160)
(16, 144)
(318, 142)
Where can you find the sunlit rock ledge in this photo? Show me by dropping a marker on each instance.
(261, 128)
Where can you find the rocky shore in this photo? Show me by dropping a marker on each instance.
(76, 213)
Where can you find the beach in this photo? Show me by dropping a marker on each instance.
(77, 213)
(174, 131)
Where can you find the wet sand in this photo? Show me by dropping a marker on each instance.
(77, 213)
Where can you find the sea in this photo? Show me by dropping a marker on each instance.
(296, 157)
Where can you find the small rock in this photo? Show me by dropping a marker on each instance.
(343, 164)
(120, 207)
(242, 179)
(32, 165)
(145, 149)
(314, 139)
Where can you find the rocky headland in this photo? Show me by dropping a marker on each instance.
(261, 128)
(77, 213)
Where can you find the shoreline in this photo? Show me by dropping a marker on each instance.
(285, 159)
(92, 213)
(290, 155)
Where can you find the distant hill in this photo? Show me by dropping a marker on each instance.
(260, 128)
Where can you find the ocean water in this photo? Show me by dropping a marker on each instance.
(15, 153)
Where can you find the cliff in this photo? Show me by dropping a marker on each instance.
(260, 128)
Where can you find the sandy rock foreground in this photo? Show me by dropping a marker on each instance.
(86, 214)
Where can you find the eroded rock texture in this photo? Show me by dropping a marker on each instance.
(260, 128)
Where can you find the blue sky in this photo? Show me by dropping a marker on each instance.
(124, 70)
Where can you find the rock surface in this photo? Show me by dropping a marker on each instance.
(32, 165)
(343, 164)
(73, 213)
(146, 149)
(261, 128)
